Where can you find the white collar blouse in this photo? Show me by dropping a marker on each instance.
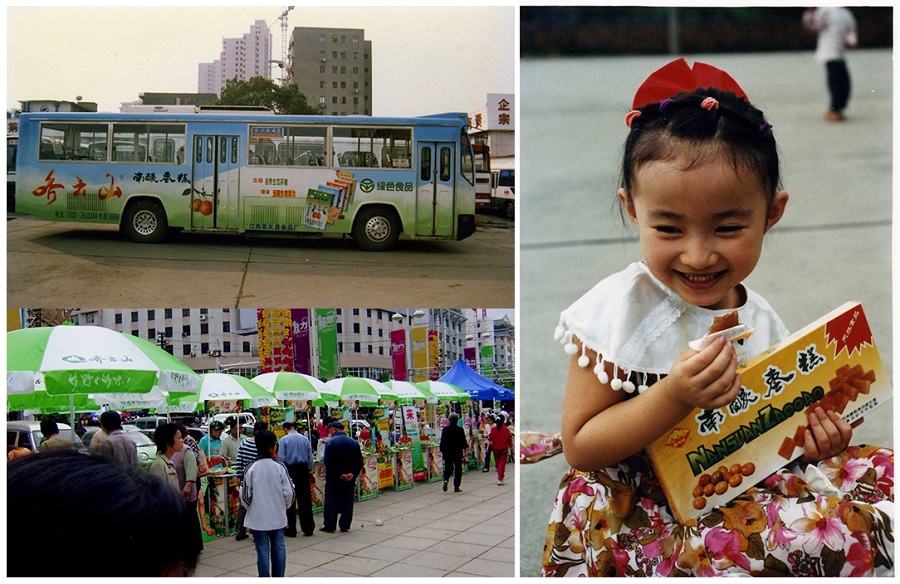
(634, 322)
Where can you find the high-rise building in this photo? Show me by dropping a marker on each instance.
(332, 67)
(242, 58)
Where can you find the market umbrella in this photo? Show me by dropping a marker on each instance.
(45, 403)
(408, 392)
(226, 387)
(358, 389)
(286, 385)
(445, 391)
(71, 359)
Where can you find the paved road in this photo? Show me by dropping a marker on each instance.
(833, 245)
(53, 264)
(425, 533)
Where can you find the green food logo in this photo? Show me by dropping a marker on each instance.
(367, 185)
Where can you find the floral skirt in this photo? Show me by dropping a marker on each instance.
(837, 521)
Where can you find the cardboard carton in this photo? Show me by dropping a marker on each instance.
(832, 363)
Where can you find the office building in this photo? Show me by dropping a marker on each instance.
(332, 67)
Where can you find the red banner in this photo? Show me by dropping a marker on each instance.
(398, 354)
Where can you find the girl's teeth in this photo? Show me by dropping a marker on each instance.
(700, 278)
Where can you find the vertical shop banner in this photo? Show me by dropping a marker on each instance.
(470, 358)
(398, 354)
(302, 346)
(282, 334)
(274, 333)
(411, 423)
(434, 356)
(418, 341)
(487, 361)
(326, 323)
(264, 340)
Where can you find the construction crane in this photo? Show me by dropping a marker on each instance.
(283, 63)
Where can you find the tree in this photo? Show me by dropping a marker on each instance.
(259, 91)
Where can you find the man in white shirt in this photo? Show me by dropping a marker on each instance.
(836, 29)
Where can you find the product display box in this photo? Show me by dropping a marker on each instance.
(712, 456)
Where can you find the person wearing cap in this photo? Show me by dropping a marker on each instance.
(343, 463)
(231, 440)
(295, 451)
(211, 444)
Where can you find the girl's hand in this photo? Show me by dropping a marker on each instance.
(707, 379)
(826, 436)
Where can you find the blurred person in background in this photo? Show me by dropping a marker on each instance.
(836, 30)
(186, 463)
(295, 451)
(231, 440)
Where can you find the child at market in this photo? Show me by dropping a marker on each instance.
(267, 492)
(700, 182)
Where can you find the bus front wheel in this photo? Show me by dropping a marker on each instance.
(145, 222)
(376, 229)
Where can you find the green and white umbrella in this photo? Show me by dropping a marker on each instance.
(445, 391)
(358, 389)
(297, 386)
(225, 387)
(40, 402)
(69, 359)
(408, 393)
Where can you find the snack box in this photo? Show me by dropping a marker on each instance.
(833, 362)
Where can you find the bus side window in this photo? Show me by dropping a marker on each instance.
(446, 164)
(425, 165)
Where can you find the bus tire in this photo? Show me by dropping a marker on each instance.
(376, 228)
(509, 210)
(145, 222)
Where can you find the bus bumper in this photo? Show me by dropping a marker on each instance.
(465, 226)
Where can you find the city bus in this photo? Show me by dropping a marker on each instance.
(372, 178)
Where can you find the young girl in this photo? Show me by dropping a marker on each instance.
(700, 182)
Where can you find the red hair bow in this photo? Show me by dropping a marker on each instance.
(678, 76)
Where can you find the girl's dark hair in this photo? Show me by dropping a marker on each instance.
(164, 435)
(63, 500)
(738, 129)
(265, 439)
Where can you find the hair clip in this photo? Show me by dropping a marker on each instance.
(709, 104)
(765, 130)
(664, 104)
(631, 116)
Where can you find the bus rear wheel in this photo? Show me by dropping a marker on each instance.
(509, 210)
(376, 229)
(145, 222)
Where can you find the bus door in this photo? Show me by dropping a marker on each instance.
(214, 202)
(435, 187)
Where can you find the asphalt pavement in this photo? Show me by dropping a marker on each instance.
(425, 533)
(833, 244)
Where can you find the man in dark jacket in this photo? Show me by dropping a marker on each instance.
(343, 463)
(453, 448)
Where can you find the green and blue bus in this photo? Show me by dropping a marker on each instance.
(373, 178)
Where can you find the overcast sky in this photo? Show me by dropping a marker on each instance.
(425, 59)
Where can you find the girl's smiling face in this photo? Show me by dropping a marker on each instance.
(701, 225)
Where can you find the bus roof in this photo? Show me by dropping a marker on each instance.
(445, 119)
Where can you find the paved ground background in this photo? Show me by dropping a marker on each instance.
(425, 533)
(94, 265)
(833, 245)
